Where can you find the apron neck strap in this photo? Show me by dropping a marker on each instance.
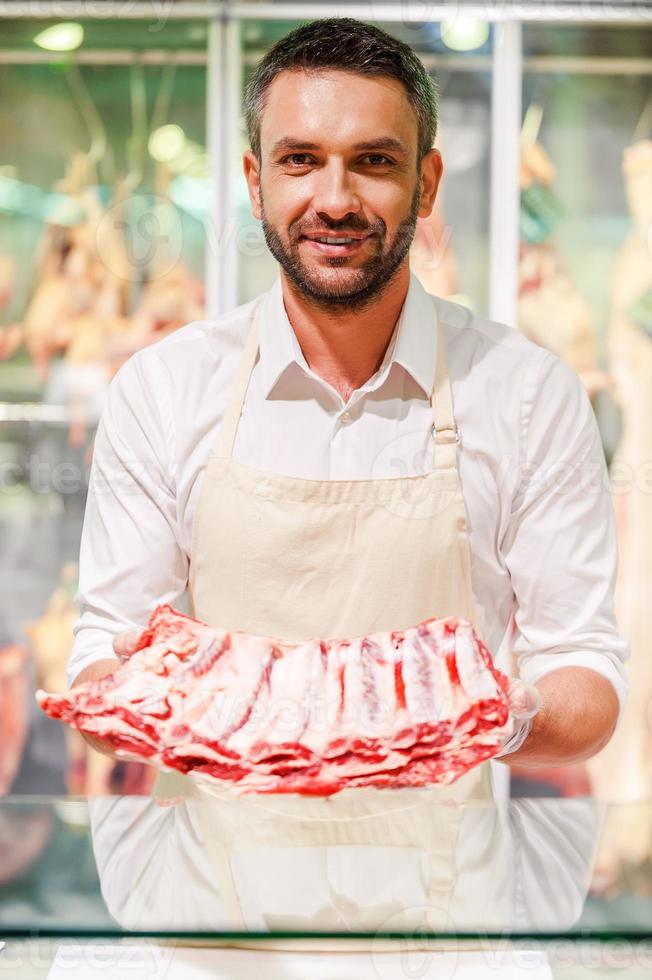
(445, 430)
(229, 427)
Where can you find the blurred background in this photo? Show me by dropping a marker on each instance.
(124, 215)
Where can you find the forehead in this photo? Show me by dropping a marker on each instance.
(342, 108)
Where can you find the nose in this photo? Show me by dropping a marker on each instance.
(335, 196)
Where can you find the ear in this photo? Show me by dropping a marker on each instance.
(251, 167)
(432, 168)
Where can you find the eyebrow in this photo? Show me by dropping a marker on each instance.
(381, 143)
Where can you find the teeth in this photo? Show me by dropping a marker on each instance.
(335, 241)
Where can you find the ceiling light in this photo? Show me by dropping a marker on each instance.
(464, 33)
(61, 37)
(166, 142)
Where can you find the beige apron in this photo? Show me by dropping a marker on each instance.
(299, 558)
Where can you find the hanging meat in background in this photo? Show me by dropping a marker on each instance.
(92, 305)
(432, 258)
(14, 706)
(170, 295)
(7, 279)
(75, 303)
(438, 247)
(68, 275)
(623, 770)
(11, 337)
(462, 139)
(102, 253)
(551, 310)
(50, 640)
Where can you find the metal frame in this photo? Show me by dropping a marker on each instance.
(494, 11)
(506, 88)
(223, 83)
(232, 87)
(215, 111)
(34, 412)
(541, 64)
(109, 57)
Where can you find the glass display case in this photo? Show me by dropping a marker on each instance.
(518, 886)
(124, 214)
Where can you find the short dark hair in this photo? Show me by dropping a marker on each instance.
(345, 44)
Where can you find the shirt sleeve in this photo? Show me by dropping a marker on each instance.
(130, 559)
(560, 546)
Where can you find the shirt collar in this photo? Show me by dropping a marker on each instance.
(413, 344)
(416, 341)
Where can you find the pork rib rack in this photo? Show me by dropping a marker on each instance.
(413, 707)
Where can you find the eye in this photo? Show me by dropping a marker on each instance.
(380, 157)
(296, 159)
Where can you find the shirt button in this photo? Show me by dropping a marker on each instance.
(345, 417)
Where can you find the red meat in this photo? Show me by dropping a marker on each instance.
(414, 707)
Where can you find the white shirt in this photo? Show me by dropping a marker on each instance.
(534, 480)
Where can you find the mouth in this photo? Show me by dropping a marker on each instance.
(335, 244)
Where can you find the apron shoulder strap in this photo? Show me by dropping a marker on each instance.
(229, 426)
(445, 428)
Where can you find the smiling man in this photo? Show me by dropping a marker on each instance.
(347, 453)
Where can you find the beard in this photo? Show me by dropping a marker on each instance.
(361, 286)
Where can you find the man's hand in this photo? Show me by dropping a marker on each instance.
(124, 645)
(95, 672)
(576, 719)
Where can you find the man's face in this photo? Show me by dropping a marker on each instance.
(339, 161)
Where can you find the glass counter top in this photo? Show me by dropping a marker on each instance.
(360, 864)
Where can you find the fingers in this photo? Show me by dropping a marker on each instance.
(124, 644)
(125, 756)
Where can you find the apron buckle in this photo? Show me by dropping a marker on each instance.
(447, 435)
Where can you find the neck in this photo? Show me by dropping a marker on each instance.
(346, 348)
